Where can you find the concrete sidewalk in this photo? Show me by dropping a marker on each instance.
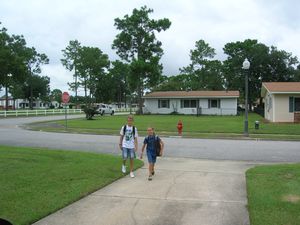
(183, 191)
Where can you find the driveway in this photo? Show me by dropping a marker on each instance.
(240, 150)
(183, 192)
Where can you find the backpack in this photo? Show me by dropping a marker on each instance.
(157, 146)
(133, 130)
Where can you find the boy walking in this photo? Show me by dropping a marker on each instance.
(153, 143)
(128, 144)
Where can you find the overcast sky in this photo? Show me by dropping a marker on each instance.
(49, 25)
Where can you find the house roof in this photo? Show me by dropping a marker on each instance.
(280, 87)
(192, 94)
(4, 97)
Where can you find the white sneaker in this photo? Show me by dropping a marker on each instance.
(123, 169)
(131, 175)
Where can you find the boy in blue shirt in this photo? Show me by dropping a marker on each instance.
(151, 142)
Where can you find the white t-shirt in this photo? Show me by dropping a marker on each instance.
(128, 139)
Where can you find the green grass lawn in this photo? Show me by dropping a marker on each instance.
(37, 182)
(202, 126)
(274, 194)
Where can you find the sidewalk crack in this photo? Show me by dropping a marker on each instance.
(173, 183)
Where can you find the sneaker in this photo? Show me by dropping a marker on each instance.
(153, 173)
(150, 177)
(123, 169)
(131, 175)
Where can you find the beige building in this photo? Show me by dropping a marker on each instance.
(282, 101)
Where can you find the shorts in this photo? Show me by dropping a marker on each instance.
(128, 153)
(151, 157)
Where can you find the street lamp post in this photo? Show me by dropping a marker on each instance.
(6, 91)
(246, 66)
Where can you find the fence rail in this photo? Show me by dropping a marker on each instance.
(126, 109)
(38, 112)
(45, 112)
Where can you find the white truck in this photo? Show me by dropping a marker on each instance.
(104, 109)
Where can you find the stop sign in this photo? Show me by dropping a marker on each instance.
(65, 97)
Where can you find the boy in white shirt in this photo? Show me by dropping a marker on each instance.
(128, 143)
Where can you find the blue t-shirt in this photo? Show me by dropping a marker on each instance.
(150, 141)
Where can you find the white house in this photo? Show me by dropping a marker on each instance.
(24, 103)
(10, 102)
(192, 102)
(282, 101)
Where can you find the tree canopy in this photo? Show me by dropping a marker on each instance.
(137, 44)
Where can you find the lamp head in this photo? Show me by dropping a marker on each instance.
(246, 64)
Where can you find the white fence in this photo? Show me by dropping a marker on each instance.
(45, 112)
(126, 109)
(38, 112)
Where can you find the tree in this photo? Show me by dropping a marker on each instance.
(267, 64)
(119, 78)
(137, 45)
(281, 65)
(39, 88)
(205, 73)
(92, 66)
(56, 96)
(70, 61)
(179, 82)
(12, 57)
(34, 60)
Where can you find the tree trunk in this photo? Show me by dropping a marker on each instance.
(85, 89)
(140, 95)
(75, 84)
(6, 98)
(30, 97)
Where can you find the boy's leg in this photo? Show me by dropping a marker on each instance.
(153, 168)
(132, 155)
(150, 169)
(124, 156)
(131, 165)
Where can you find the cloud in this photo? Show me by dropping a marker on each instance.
(49, 25)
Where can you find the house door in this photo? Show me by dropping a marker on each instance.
(297, 110)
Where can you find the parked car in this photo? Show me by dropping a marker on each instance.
(104, 109)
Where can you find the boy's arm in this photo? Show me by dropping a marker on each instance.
(143, 148)
(135, 144)
(162, 145)
(120, 142)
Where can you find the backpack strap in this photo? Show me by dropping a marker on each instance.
(133, 130)
(124, 129)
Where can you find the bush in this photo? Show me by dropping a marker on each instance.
(89, 112)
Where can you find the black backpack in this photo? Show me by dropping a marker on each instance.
(157, 146)
(133, 130)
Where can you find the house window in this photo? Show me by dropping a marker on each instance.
(213, 103)
(189, 103)
(163, 103)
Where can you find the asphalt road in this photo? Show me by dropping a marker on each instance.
(240, 150)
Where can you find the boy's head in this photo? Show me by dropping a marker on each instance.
(130, 120)
(150, 131)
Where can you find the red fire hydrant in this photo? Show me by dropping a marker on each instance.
(179, 127)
